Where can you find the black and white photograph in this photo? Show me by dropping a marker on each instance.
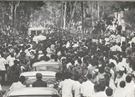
(67, 48)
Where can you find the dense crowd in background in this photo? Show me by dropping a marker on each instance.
(91, 67)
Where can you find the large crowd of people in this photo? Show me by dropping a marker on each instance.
(93, 67)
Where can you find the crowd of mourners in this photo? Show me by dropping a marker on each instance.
(102, 67)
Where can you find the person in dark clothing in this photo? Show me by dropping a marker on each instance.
(39, 82)
(15, 72)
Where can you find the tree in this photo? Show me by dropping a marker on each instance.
(16, 15)
(129, 18)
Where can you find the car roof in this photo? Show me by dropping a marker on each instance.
(47, 63)
(33, 73)
(32, 91)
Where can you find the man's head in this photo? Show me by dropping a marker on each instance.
(39, 76)
(89, 76)
(67, 75)
(58, 76)
(12, 54)
(22, 79)
(114, 43)
(101, 69)
(119, 44)
(120, 74)
(76, 77)
(122, 84)
(96, 88)
(109, 92)
(101, 87)
(16, 62)
(128, 79)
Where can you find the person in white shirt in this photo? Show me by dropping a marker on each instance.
(76, 86)
(10, 62)
(120, 77)
(120, 91)
(87, 87)
(52, 47)
(115, 47)
(10, 59)
(49, 52)
(19, 84)
(120, 65)
(67, 85)
(130, 86)
(40, 54)
(123, 39)
(2, 68)
(101, 92)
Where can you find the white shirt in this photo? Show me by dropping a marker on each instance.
(112, 73)
(87, 88)
(123, 39)
(113, 61)
(118, 80)
(0, 87)
(52, 47)
(2, 64)
(133, 39)
(67, 87)
(120, 66)
(100, 94)
(112, 85)
(16, 85)
(68, 65)
(120, 92)
(112, 38)
(49, 50)
(10, 60)
(130, 88)
(118, 39)
(107, 41)
(116, 48)
(77, 88)
(68, 44)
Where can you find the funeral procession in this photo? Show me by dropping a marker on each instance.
(67, 48)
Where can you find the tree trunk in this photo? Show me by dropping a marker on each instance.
(65, 8)
(98, 5)
(14, 15)
(92, 12)
(72, 14)
(82, 19)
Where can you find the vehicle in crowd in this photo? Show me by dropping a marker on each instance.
(47, 76)
(46, 66)
(32, 92)
(47, 69)
(36, 30)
